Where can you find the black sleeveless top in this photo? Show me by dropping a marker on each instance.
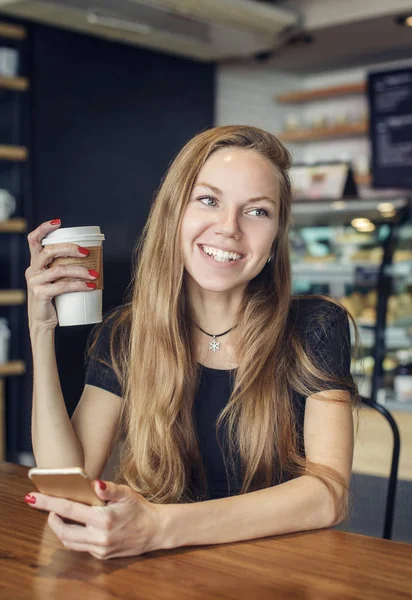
(330, 345)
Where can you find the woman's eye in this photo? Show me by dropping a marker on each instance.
(207, 198)
(264, 213)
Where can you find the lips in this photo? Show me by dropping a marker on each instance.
(219, 264)
(201, 246)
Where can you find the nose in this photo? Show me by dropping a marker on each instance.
(228, 224)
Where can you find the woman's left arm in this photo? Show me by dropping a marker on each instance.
(301, 504)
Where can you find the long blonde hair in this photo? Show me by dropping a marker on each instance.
(153, 356)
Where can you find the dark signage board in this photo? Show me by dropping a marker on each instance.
(390, 108)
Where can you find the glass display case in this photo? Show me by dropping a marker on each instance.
(360, 252)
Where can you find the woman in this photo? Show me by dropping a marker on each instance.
(232, 400)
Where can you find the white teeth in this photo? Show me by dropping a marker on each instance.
(221, 255)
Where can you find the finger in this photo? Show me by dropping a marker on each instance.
(68, 509)
(97, 552)
(50, 253)
(59, 528)
(47, 292)
(67, 272)
(35, 237)
(77, 534)
(56, 525)
(111, 492)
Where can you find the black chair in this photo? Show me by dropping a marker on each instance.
(393, 476)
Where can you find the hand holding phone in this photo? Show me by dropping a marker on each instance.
(71, 483)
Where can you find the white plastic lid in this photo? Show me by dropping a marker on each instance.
(74, 234)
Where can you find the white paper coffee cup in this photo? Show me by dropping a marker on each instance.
(80, 308)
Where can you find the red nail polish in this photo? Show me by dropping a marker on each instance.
(91, 285)
(102, 484)
(84, 251)
(55, 222)
(93, 273)
(30, 499)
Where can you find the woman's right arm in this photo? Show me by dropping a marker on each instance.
(56, 441)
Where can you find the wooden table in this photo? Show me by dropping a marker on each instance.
(317, 565)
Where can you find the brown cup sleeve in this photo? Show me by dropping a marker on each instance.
(93, 261)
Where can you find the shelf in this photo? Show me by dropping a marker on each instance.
(360, 205)
(333, 272)
(12, 297)
(13, 367)
(17, 84)
(314, 213)
(324, 272)
(321, 133)
(396, 338)
(301, 96)
(13, 226)
(13, 32)
(15, 153)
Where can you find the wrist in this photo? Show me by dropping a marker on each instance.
(40, 333)
(168, 519)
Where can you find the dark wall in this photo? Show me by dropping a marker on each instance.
(107, 120)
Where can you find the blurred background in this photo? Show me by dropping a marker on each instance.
(96, 98)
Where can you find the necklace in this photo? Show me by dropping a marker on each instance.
(214, 345)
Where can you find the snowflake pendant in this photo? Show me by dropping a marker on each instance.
(214, 345)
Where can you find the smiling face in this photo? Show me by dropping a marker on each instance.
(231, 220)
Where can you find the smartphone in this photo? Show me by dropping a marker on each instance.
(71, 483)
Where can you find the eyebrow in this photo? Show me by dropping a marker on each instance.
(217, 191)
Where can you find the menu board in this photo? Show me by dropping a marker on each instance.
(390, 107)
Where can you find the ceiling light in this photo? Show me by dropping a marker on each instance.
(366, 228)
(385, 207)
(359, 222)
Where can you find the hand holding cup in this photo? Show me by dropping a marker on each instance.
(46, 281)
